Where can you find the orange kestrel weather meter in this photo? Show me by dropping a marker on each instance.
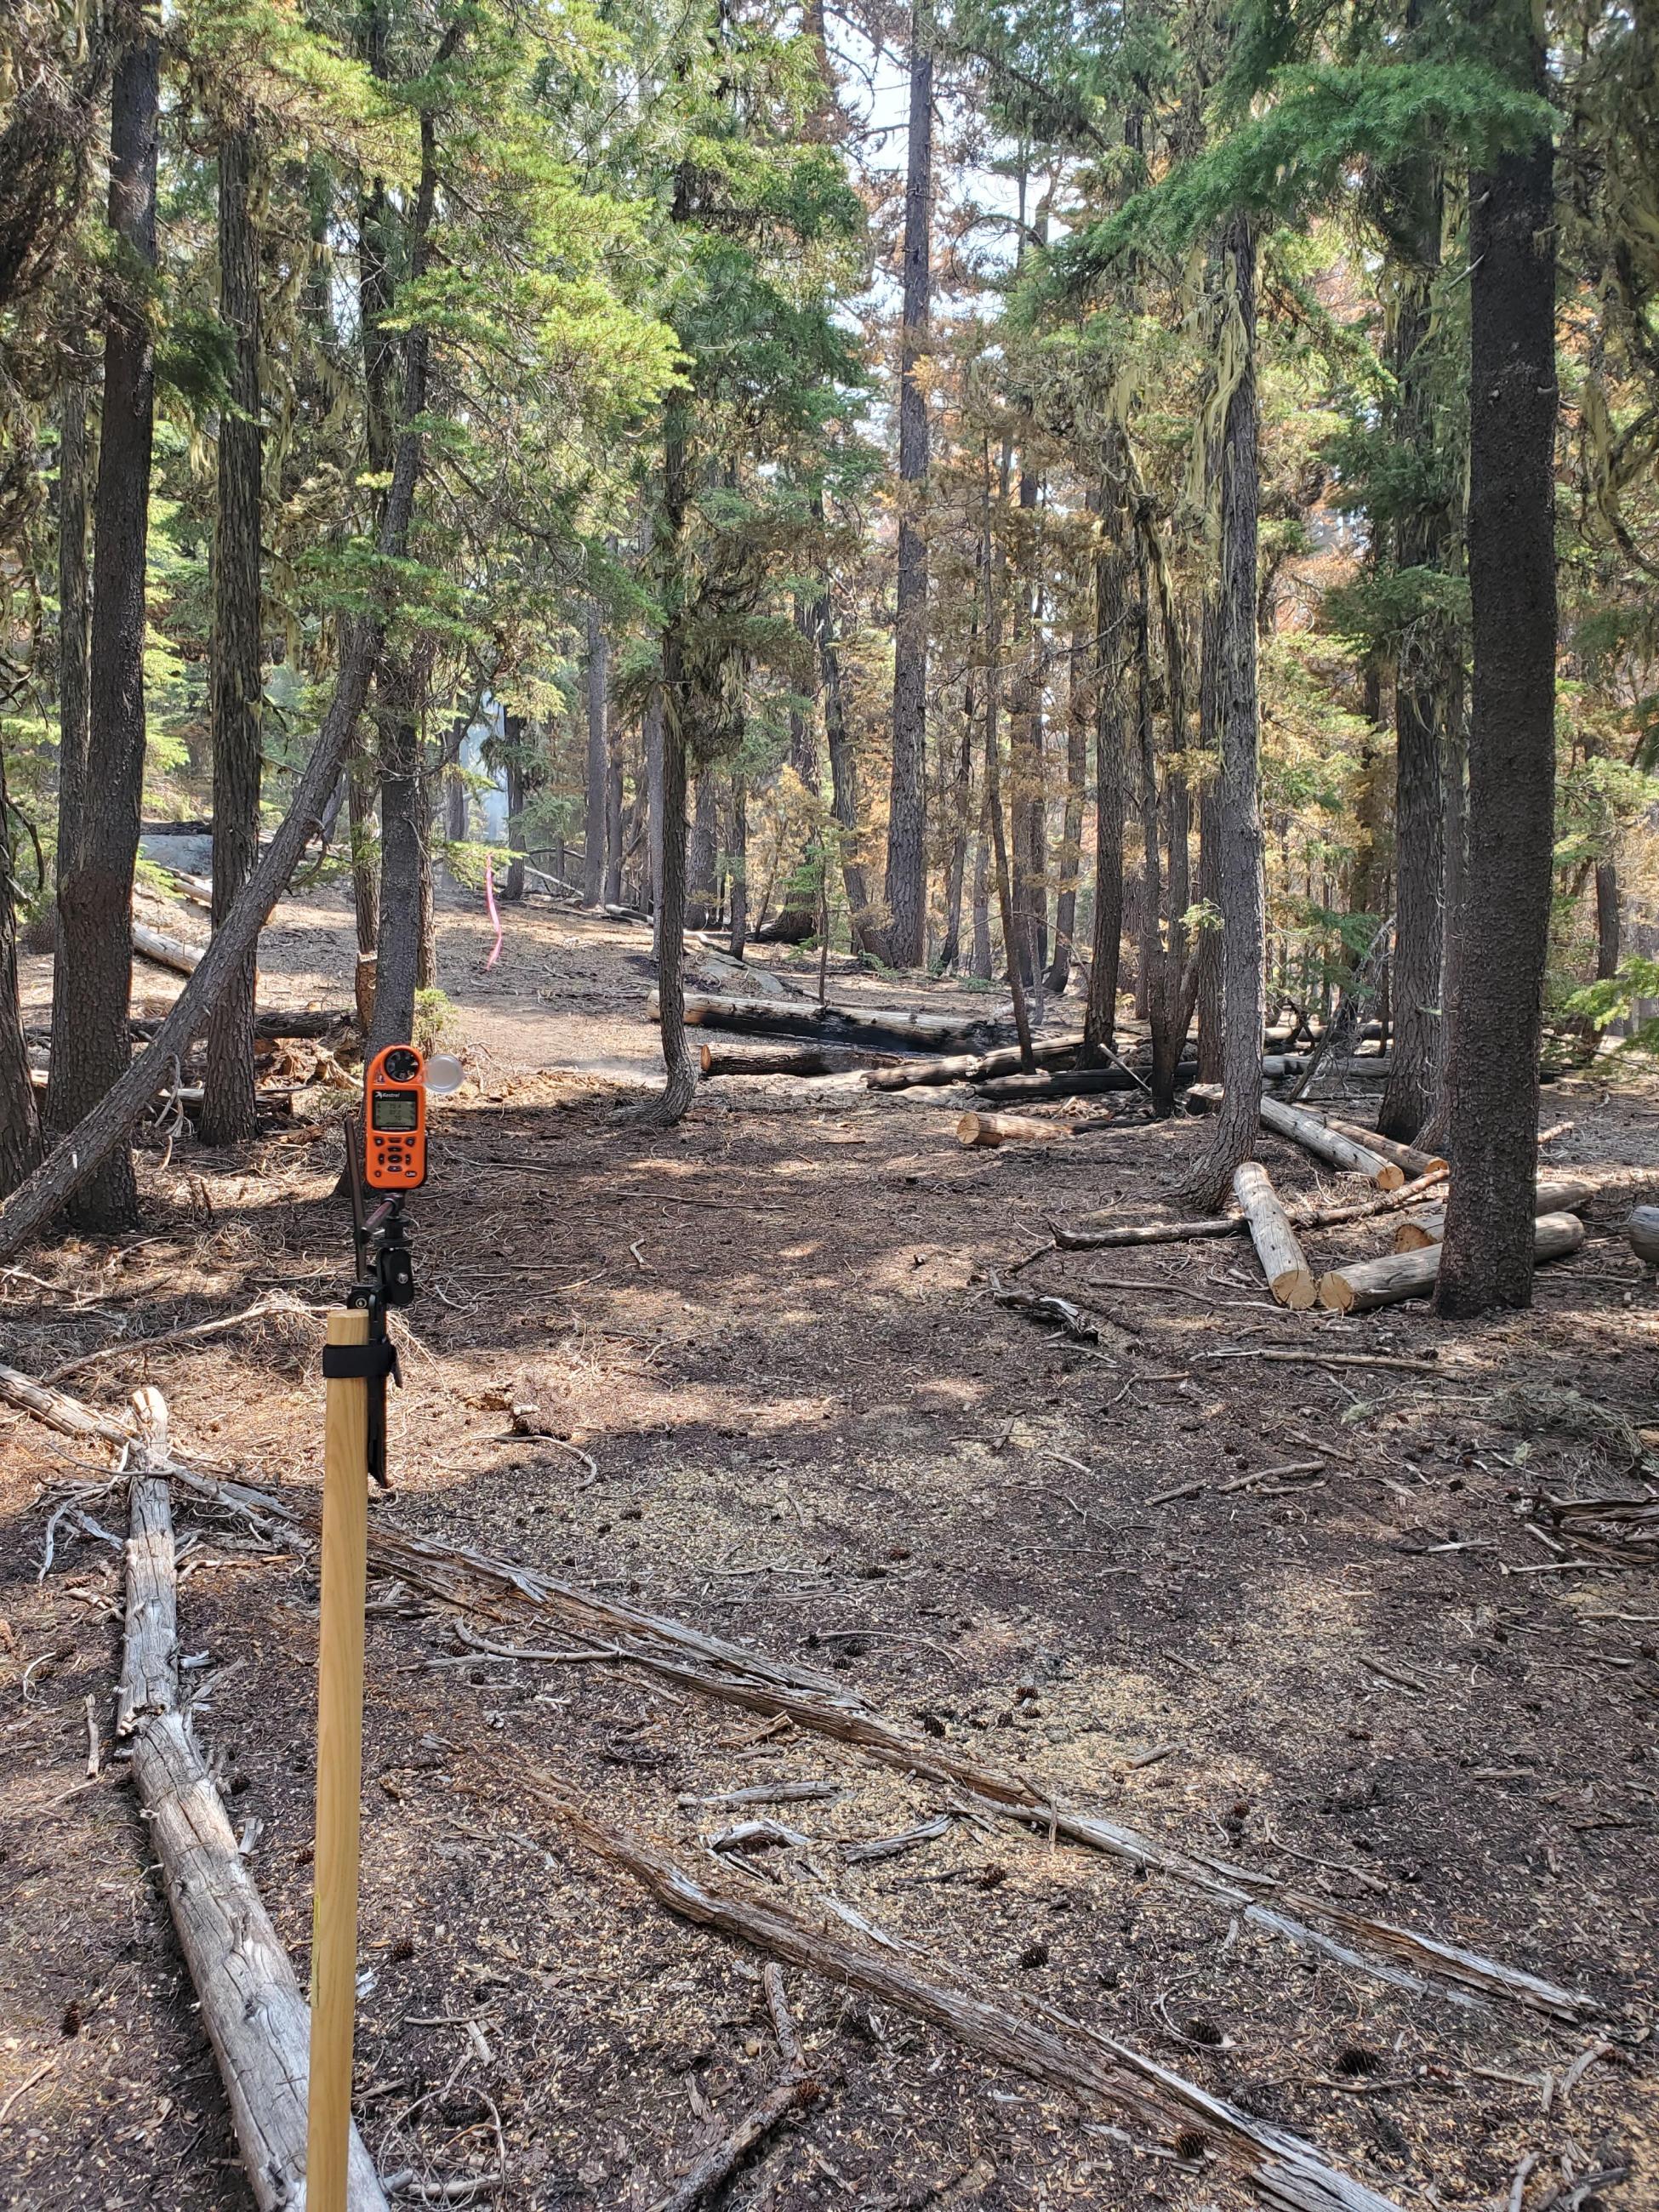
(394, 1095)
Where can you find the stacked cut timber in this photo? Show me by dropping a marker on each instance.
(1427, 1225)
(1371, 1283)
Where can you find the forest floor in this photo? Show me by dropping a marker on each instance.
(811, 1430)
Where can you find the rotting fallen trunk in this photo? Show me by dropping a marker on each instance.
(760, 1682)
(1369, 1284)
(1427, 1225)
(1290, 1277)
(1284, 2171)
(975, 1067)
(1078, 1083)
(789, 1060)
(894, 1027)
(251, 2004)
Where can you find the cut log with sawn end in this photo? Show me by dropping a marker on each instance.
(1367, 1284)
(982, 1129)
(1337, 1152)
(1290, 1277)
(1426, 1225)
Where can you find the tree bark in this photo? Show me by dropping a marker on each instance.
(949, 952)
(1422, 542)
(1239, 854)
(679, 1061)
(703, 859)
(1607, 920)
(73, 613)
(593, 842)
(92, 971)
(397, 943)
(991, 568)
(20, 1121)
(1111, 619)
(613, 813)
(653, 787)
(513, 764)
(1025, 792)
(1079, 703)
(1492, 1072)
(980, 962)
(907, 865)
(237, 678)
(843, 780)
(738, 857)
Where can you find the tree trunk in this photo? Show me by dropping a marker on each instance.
(1080, 712)
(1209, 1000)
(397, 943)
(1239, 852)
(949, 952)
(679, 1062)
(740, 864)
(20, 1122)
(654, 798)
(513, 729)
(1607, 920)
(227, 1096)
(1025, 792)
(365, 856)
(1422, 542)
(613, 813)
(703, 856)
(980, 963)
(991, 565)
(1111, 587)
(843, 780)
(598, 761)
(93, 972)
(907, 865)
(74, 611)
(1492, 1072)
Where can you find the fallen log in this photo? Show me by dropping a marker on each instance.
(1556, 1194)
(895, 1027)
(789, 1060)
(1367, 1284)
(975, 1067)
(1286, 2172)
(982, 1129)
(1308, 1131)
(1290, 1277)
(165, 951)
(250, 2000)
(758, 1681)
(1073, 1083)
(1410, 1157)
(1112, 1236)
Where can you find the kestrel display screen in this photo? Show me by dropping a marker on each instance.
(395, 1110)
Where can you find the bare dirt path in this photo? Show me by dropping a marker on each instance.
(1300, 1617)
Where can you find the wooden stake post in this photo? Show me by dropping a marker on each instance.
(339, 1772)
(387, 1154)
